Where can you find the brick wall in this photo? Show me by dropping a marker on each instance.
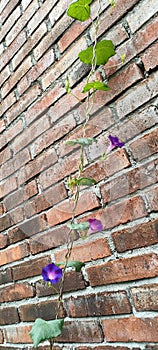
(112, 304)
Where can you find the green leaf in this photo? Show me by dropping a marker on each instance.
(80, 10)
(67, 85)
(123, 57)
(76, 264)
(86, 181)
(96, 85)
(83, 141)
(79, 227)
(104, 50)
(112, 3)
(45, 330)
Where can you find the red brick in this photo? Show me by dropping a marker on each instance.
(71, 34)
(14, 253)
(105, 347)
(15, 163)
(8, 9)
(26, 229)
(40, 15)
(36, 166)
(29, 45)
(58, 171)
(63, 212)
(3, 241)
(35, 71)
(152, 199)
(81, 332)
(99, 304)
(5, 222)
(9, 23)
(121, 213)
(46, 310)
(6, 276)
(137, 96)
(8, 186)
(15, 292)
(5, 155)
(21, 195)
(8, 315)
(64, 63)
(23, 103)
(145, 145)
(129, 182)
(145, 298)
(45, 200)
(95, 125)
(92, 250)
(7, 103)
(142, 235)
(149, 58)
(141, 13)
(48, 240)
(1, 337)
(4, 75)
(121, 270)
(13, 48)
(37, 128)
(58, 130)
(131, 329)
(117, 34)
(17, 334)
(73, 281)
(16, 76)
(13, 130)
(29, 268)
(58, 10)
(41, 106)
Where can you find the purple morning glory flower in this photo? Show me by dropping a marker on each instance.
(114, 142)
(94, 225)
(51, 273)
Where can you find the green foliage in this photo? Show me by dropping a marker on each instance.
(104, 50)
(67, 85)
(80, 10)
(123, 57)
(83, 141)
(45, 330)
(79, 227)
(96, 85)
(112, 3)
(86, 181)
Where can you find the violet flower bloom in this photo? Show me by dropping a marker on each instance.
(51, 273)
(114, 142)
(94, 225)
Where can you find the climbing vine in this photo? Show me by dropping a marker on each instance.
(95, 55)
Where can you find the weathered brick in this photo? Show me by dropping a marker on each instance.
(10, 5)
(26, 229)
(30, 268)
(49, 240)
(131, 329)
(81, 332)
(40, 15)
(46, 310)
(126, 269)
(13, 48)
(15, 163)
(20, 24)
(129, 182)
(23, 103)
(10, 22)
(8, 315)
(3, 241)
(152, 199)
(4, 74)
(8, 186)
(137, 96)
(15, 292)
(145, 146)
(73, 281)
(149, 58)
(6, 276)
(137, 236)
(92, 250)
(145, 298)
(46, 199)
(14, 253)
(37, 165)
(5, 222)
(63, 212)
(17, 334)
(7, 103)
(99, 304)
(141, 13)
(21, 195)
(71, 34)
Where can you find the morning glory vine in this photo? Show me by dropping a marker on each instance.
(95, 55)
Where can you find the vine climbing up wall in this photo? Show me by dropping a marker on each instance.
(78, 174)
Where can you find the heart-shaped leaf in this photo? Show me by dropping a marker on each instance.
(76, 264)
(83, 141)
(104, 50)
(45, 330)
(79, 227)
(80, 10)
(86, 181)
(96, 85)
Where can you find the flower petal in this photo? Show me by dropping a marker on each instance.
(51, 273)
(114, 142)
(95, 225)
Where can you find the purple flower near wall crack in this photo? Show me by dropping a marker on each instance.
(94, 225)
(51, 273)
(114, 142)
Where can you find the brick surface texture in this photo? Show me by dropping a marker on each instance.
(112, 303)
